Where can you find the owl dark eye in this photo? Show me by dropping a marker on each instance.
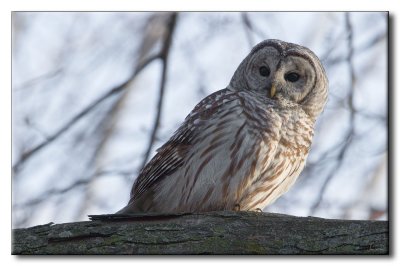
(292, 77)
(264, 71)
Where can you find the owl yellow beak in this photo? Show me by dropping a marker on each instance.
(272, 91)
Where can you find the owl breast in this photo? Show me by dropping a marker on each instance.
(243, 155)
(279, 174)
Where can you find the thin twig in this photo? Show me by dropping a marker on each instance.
(365, 46)
(28, 154)
(252, 29)
(78, 183)
(46, 195)
(248, 28)
(350, 104)
(31, 82)
(164, 57)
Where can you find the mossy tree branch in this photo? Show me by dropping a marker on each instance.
(206, 233)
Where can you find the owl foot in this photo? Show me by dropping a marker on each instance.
(236, 208)
(258, 210)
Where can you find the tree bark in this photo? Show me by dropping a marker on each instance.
(206, 233)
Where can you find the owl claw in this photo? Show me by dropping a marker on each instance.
(258, 210)
(237, 208)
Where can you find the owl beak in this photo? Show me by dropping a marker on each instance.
(272, 91)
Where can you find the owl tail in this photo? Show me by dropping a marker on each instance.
(129, 209)
(134, 213)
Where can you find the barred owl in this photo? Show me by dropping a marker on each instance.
(241, 147)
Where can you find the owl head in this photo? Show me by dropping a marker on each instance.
(287, 71)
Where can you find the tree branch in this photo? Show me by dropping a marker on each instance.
(248, 28)
(350, 104)
(28, 154)
(206, 233)
(82, 182)
(164, 57)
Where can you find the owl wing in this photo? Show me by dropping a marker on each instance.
(171, 156)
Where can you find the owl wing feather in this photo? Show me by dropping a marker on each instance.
(171, 156)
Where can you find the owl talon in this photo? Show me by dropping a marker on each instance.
(237, 208)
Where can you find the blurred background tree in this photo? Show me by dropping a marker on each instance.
(95, 94)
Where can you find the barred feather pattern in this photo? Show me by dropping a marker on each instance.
(239, 148)
(232, 150)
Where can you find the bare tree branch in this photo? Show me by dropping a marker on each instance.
(251, 28)
(164, 57)
(350, 103)
(248, 28)
(28, 154)
(38, 79)
(221, 232)
(103, 125)
(78, 183)
(365, 46)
